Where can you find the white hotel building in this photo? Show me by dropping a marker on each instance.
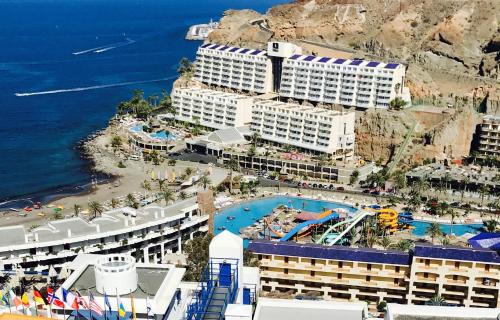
(284, 70)
(210, 108)
(148, 234)
(238, 68)
(310, 128)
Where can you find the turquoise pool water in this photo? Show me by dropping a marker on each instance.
(160, 135)
(264, 206)
(457, 229)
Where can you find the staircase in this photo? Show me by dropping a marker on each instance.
(217, 288)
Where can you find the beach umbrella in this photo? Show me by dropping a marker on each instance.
(52, 272)
(64, 272)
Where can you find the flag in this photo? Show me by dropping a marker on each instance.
(94, 307)
(121, 308)
(38, 297)
(149, 308)
(81, 301)
(54, 299)
(69, 299)
(134, 317)
(25, 300)
(4, 299)
(15, 299)
(106, 301)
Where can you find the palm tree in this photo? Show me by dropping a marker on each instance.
(114, 203)
(232, 165)
(131, 201)
(483, 191)
(385, 242)
(205, 181)
(183, 195)
(188, 172)
(436, 301)
(168, 195)
(146, 185)
(77, 209)
(400, 180)
(95, 208)
(404, 245)
(453, 214)
(255, 137)
(161, 183)
(490, 225)
(464, 183)
(434, 231)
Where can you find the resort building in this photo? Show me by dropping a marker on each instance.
(462, 276)
(284, 70)
(357, 83)
(210, 108)
(147, 233)
(238, 68)
(138, 286)
(311, 129)
(216, 142)
(293, 165)
(489, 136)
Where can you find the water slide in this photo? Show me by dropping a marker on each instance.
(388, 218)
(271, 228)
(359, 216)
(324, 217)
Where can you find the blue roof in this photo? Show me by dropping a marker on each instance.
(455, 253)
(205, 45)
(324, 59)
(488, 240)
(356, 62)
(391, 65)
(295, 56)
(245, 50)
(318, 251)
(234, 49)
(256, 52)
(339, 61)
(223, 48)
(372, 64)
(309, 58)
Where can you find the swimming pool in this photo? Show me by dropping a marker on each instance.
(160, 135)
(264, 206)
(458, 229)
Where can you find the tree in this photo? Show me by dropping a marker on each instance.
(232, 165)
(385, 242)
(185, 68)
(205, 181)
(354, 177)
(287, 148)
(114, 203)
(397, 103)
(404, 245)
(434, 231)
(77, 209)
(188, 172)
(168, 195)
(116, 143)
(146, 185)
(490, 225)
(196, 252)
(183, 195)
(464, 183)
(323, 160)
(131, 201)
(255, 137)
(400, 181)
(483, 191)
(95, 208)
(453, 214)
(436, 301)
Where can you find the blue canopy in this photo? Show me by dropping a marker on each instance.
(488, 240)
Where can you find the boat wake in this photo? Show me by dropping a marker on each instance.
(106, 47)
(119, 84)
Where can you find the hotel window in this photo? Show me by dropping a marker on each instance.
(457, 265)
(339, 275)
(286, 271)
(286, 259)
(368, 278)
(313, 273)
(426, 275)
(369, 267)
(427, 262)
(397, 269)
(455, 277)
(396, 280)
(340, 264)
(313, 262)
(487, 267)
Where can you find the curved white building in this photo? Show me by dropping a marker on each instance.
(147, 234)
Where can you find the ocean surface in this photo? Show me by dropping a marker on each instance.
(66, 64)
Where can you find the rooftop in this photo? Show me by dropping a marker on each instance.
(486, 240)
(271, 309)
(455, 253)
(110, 221)
(223, 48)
(329, 252)
(338, 61)
(293, 107)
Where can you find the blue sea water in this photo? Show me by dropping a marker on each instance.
(63, 97)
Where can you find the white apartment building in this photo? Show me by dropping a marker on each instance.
(147, 233)
(311, 128)
(358, 83)
(489, 136)
(237, 68)
(210, 108)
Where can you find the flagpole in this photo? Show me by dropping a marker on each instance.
(90, 309)
(50, 304)
(117, 306)
(36, 308)
(8, 302)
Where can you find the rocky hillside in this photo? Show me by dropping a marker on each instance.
(443, 42)
(451, 48)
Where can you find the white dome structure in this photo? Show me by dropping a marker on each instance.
(115, 274)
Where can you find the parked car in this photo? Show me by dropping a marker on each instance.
(340, 188)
